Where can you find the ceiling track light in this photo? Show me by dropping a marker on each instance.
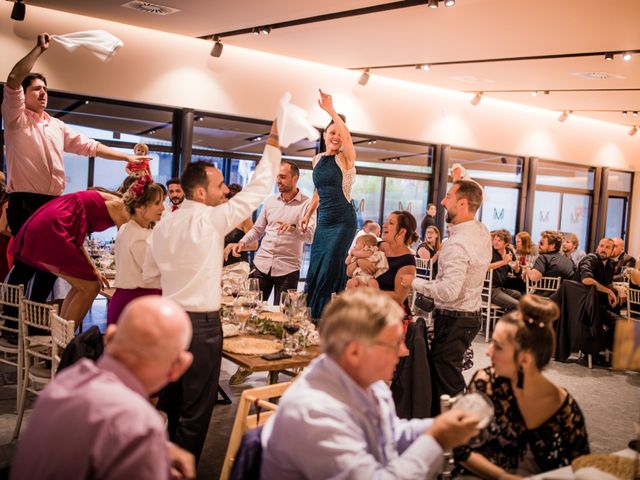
(424, 67)
(635, 114)
(433, 4)
(18, 11)
(476, 99)
(216, 51)
(563, 116)
(255, 31)
(534, 93)
(633, 130)
(265, 30)
(364, 78)
(624, 114)
(626, 56)
(449, 3)
(608, 56)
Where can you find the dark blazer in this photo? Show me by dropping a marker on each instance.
(411, 385)
(625, 260)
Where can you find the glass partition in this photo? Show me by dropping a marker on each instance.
(488, 166)
(564, 176)
(500, 208)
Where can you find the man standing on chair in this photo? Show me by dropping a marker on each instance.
(456, 291)
(185, 252)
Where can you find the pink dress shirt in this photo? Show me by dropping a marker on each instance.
(93, 421)
(35, 146)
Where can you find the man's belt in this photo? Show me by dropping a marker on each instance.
(456, 313)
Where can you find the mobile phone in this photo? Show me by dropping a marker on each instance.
(276, 356)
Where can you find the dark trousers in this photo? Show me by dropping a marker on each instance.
(506, 298)
(189, 401)
(21, 207)
(452, 336)
(278, 284)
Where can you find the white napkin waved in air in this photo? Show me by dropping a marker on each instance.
(293, 124)
(102, 44)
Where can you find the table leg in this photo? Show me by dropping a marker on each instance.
(273, 377)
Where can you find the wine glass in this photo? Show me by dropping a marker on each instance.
(481, 406)
(289, 329)
(303, 318)
(253, 285)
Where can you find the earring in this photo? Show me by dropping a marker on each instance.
(520, 381)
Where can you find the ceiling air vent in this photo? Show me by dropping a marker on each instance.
(147, 7)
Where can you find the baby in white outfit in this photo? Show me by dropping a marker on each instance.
(366, 247)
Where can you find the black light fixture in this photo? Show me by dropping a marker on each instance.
(624, 114)
(364, 78)
(18, 11)
(425, 67)
(608, 56)
(216, 51)
(266, 30)
(433, 4)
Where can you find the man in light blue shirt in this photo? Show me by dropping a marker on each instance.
(338, 419)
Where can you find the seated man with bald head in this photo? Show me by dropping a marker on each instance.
(94, 420)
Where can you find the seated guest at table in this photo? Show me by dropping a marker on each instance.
(342, 404)
(235, 235)
(570, 248)
(597, 269)
(398, 232)
(502, 296)
(429, 220)
(115, 432)
(145, 204)
(431, 246)
(526, 254)
(551, 262)
(620, 260)
(52, 239)
(538, 426)
(634, 278)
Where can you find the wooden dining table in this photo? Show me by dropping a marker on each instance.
(255, 363)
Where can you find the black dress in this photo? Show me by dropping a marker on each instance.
(234, 236)
(518, 449)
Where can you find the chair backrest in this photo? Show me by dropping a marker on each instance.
(62, 332)
(486, 289)
(424, 268)
(546, 284)
(37, 314)
(10, 296)
(633, 303)
(245, 420)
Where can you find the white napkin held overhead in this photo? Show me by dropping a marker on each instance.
(102, 44)
(293, 124)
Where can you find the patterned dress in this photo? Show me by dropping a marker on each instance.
(518, 449)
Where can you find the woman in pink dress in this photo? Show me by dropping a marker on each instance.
(131, 247)
(53, 240)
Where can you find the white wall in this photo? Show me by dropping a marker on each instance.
(167, 69)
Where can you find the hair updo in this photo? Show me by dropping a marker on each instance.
(534, 327)
(407, 221)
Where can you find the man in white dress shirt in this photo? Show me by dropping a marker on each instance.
(186, 253)
(338, 419)
(456, 291)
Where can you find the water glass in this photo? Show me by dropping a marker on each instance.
(253, 285)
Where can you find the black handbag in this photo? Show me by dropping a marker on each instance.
(424, 303)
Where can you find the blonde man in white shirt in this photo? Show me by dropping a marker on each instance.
(186, 254)
(456, 291)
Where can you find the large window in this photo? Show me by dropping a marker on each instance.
(500, 208)
(616, 217)
(406, 194)
(563, 212)
(76, 170)
(366, 198)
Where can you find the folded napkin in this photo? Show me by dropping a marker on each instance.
(102, 44)
(293, 124)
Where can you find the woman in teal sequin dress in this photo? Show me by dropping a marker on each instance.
(333, 177)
